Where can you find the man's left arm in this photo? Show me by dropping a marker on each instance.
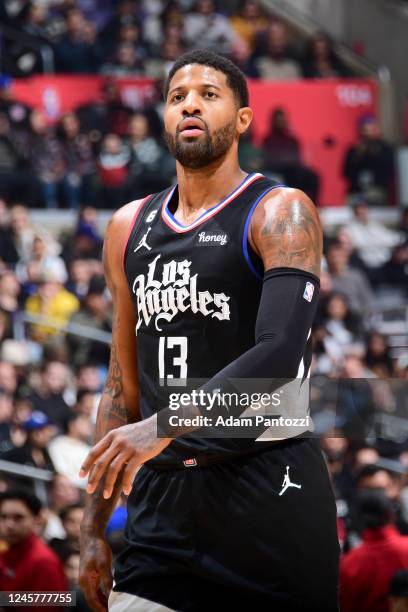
(285, 232)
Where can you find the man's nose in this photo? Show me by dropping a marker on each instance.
(191, 105)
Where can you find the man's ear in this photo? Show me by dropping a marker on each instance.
(244, 119)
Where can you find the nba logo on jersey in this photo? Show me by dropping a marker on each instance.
(308, 292)
(190, 462)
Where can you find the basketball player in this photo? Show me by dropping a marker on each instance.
(219, 276)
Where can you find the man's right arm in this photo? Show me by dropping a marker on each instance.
(118, 406)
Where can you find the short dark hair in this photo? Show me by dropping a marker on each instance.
(399, 584)
(30, 500)
(235, 77)
(81, 394)
(67, 509)
(370, 469)
(374, 509)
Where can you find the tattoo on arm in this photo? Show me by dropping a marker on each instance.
(290, 235)
(114, 388)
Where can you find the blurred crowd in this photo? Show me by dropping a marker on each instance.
(55, 325)
(144, 37)
(105, 154)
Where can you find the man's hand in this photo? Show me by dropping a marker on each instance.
(95, 572)
(125, 448)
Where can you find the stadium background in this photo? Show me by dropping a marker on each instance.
(80, 135)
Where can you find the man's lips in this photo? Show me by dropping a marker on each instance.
(191, 127)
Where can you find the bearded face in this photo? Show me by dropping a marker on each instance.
(199, 150)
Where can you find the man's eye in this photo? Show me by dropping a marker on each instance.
(177, 98)
(210, 94)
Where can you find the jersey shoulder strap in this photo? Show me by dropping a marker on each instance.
(141, 208)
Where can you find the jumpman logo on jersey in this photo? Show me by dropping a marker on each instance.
(143, 242)
(286, 482)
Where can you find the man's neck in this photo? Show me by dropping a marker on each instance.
(205, 187)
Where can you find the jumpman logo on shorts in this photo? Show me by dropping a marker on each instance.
(143, 242)
(286, 482)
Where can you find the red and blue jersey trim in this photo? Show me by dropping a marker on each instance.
(178, 227)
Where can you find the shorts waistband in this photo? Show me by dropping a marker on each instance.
(201, 460)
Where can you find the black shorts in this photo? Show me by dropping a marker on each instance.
(230, 536)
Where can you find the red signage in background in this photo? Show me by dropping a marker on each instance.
(323, 114)
(60, 94)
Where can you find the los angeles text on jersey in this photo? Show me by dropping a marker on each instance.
(162, 296)
(230, 421)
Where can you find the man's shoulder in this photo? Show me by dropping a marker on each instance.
(126, 213)
(124, 218)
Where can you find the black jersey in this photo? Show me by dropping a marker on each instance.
(196, 290)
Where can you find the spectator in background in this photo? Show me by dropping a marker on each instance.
(282, 156)
(8, 378)
(205, 28)
(342, 326)
(39, 430)
(9, 296)
(12, 185)
(158, 25)
(377, 356)
(372, 240)
(80, 274)
(79, 162)
(320, 61)
(349, 281)
(6, 416)
(42, 261)
(51, 301)
(77, 52)
(128, 62)
(382, 478)
(19, 236)
(86, 403)
(16, 112)
(366, 571)
(113, 168)
(48, 393)
(249, 23)
(275, 62)
(127, 11)
(69, 450)
(399, 591)
(46, 164)
(22, 58)
(28, 564)
(95, 314)
(369, 165)
(251, 157)
(84, 242)
(131, 33)
(71, 517)
(107, 115)
(71, 567)
(170, 50)
(89, 377)
(395, 270)
(61, 493)
(7, 248)
(344, 239)
(151, 168)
